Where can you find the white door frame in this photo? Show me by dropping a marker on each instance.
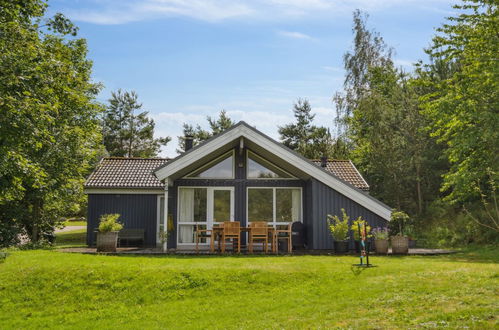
(209, 211)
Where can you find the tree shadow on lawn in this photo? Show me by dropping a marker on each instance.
(485, 254)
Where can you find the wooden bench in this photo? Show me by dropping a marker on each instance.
(131, 235)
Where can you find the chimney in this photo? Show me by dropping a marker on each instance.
(323, 161)
(188, 140)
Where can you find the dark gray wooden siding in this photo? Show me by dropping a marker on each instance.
(323, 200)
(240, 184)
(136, 210)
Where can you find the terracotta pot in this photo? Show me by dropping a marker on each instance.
(400, 244)
(381, 246)
(340, 246)
(107, 242)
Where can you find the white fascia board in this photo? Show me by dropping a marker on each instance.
(123, 191)
(282, 153)
(320, 175)
(201, 152)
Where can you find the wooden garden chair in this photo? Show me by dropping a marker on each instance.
(258, 232)
(201, 234)
(232, 230)
(283, 234)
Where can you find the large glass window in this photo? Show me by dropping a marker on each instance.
(260, 205)
(258, 168)
(202, 207)
(278, 206)
(221, 205)
(222, 168)
(193, 203)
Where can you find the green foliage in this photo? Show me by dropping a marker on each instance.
(44, 289)
(463, 106)
(309, 140)
(339, 227)
(355, 228)
(109, 222)
(380, 233)
(127, 133)
(49, 129)
(199, 135)
(398, 223)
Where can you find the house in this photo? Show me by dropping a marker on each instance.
(239, 175)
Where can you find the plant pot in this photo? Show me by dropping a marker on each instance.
(340, 246)
(107, 242)
(381, 246)
(400, 244)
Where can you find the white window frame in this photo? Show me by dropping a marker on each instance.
(292, 177)
(212, 163)
(274, 223)
(209, 209)
(158, 216)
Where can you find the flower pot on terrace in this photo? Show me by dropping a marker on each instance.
(107, 242)
(381, 246)
(340, 246)
(400, 244)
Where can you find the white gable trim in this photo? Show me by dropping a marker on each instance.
(318, 173)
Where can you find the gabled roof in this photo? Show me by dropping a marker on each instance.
(345, 170)
(138, 173)
(117, 172)
(245, 131)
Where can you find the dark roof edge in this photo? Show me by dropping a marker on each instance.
(243, 123)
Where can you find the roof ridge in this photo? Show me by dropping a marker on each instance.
(136, 158)
(330, 160)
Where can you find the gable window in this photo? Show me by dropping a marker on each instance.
(220, 168)
(259, 168)
(277, 206)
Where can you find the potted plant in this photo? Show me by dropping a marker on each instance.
(380, 239)
(355, 230)
(107, 236)
(339, 230)
(400, 241)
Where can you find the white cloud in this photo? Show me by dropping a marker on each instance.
(294, 35)
(404, 63)
(125, 11)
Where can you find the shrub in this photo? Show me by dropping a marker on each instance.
(109, 222)
(355, 228)
(398, 223)
(338, 228)
(380, 233)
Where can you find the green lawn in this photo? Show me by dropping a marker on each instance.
(75, 223)
(71, 238)
(52, 289)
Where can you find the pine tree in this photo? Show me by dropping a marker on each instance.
(303, 136)
(217, 126)
(127, 134)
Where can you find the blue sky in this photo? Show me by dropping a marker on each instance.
(188, 59)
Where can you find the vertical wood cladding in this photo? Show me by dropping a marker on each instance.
(136, 211)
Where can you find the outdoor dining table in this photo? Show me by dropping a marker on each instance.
(216, 232)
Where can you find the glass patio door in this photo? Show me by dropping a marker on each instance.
(202, 207)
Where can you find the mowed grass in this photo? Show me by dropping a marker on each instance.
(73, 238)
(52, 289)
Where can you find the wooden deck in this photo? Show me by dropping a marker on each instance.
(157, 251)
